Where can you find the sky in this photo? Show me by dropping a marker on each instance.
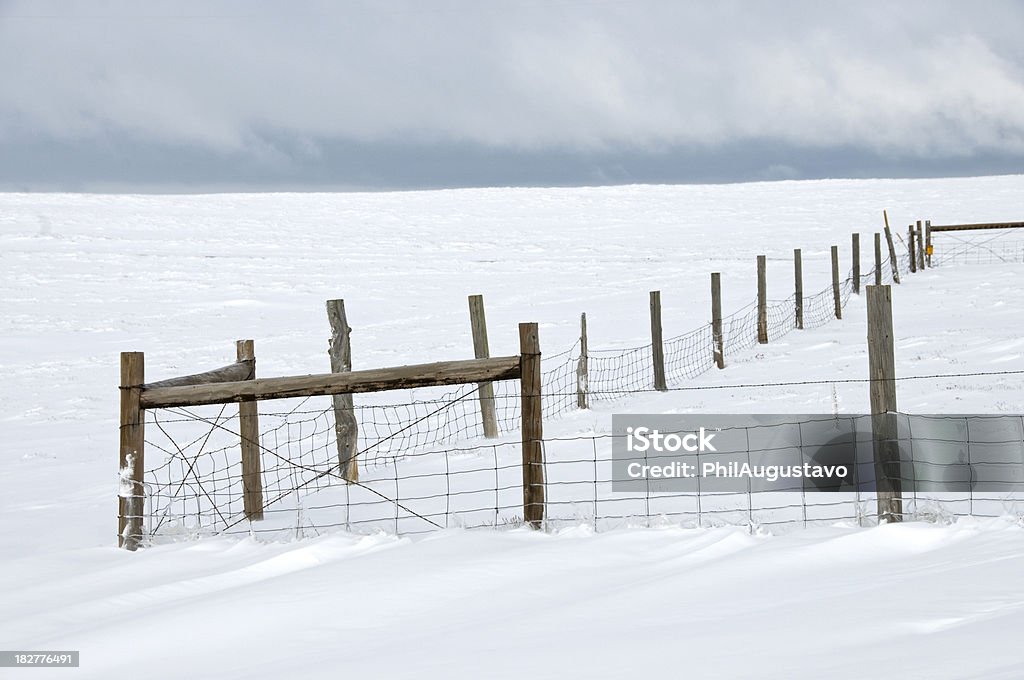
(385, 94)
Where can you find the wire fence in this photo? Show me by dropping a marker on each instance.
(952, 465)
(422, 459)
(691, 354)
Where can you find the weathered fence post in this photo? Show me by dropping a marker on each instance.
(249, 432)
(911, 249)
(533, 426)
(762, 302)
(856, 263)
(836, 297)
(882, 374)
(130, 496)
(718, 344)
(798, 275)
(892, 249)
(928, 241)
(878, 259)
(920, 246)
(346, 429)
(583, 366)
(657, 346)
(481, 350)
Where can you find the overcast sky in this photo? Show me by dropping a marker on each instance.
(420, 93)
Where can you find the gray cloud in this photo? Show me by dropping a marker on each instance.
(274, 92)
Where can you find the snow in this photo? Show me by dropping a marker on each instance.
(181, 277)
(926, 601)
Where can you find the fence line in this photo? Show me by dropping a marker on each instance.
(691, 354)
(197, 488)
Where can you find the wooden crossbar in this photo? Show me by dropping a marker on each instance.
(375, 380)
(972, 227)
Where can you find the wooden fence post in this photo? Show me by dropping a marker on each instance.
(836, 297)
(762, 302)
(878, 259)
(920, 246)
(856, 263)
(657, 346)
(131, 492)
(718, 344)
(533, 426)
(346, 428)
(911, 249)
(798, 275)
(481, 350)
(892, 249)
(928, 241)
(249, 432)
(583, 366)
(882, 374)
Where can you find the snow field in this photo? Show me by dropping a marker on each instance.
(181, 277)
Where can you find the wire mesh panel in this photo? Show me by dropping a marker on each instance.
(582, 487)
(739, 330)
(616, 370)
(962, 465)
(559, 382)
(951, 466)
(689, 355)
(781, 316)
(194, 483)
(989, 246)
(195, 486)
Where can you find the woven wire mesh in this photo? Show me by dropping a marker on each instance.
(614, 371)
(739, 330)
(977, 247)
(951, 466)
(689, 355)
(194, 482)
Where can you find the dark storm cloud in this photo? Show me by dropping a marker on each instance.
(529, 92)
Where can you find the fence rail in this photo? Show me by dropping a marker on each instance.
(352, 382)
